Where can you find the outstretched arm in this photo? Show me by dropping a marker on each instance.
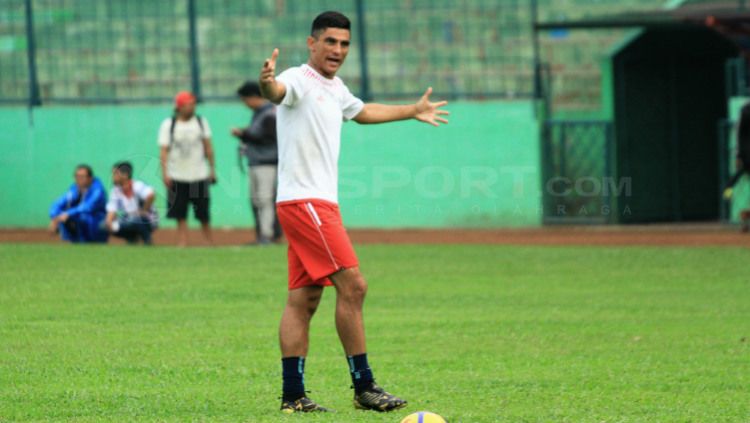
(270, 88)
(424, 111)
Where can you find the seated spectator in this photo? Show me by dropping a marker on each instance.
(78, 214)
(130, 210)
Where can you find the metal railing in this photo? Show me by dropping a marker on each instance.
(577, 171)
(90, 51)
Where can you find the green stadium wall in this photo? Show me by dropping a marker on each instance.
(481, 170)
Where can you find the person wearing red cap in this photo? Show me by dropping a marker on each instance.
(187, 165)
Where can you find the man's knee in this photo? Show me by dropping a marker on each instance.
(350, 284)
(313, 300)
(305, 301)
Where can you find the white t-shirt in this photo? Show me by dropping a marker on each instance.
(186, 160)
(129, 206)
(308, 125)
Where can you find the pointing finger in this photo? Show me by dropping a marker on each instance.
(270, 63)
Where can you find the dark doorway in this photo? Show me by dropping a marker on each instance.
(670, 95)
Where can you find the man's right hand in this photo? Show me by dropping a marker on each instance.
(270, 88)
(268, 72)
(167, 181)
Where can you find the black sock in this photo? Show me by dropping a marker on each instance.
(360, 372)
(293, 372)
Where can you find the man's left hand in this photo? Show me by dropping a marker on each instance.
(430, 112)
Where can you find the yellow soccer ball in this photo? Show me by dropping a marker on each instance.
(423, 417)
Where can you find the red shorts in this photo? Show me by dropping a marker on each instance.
(318, 243)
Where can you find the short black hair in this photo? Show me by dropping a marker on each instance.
(249, 89)
(87, 168)
(330, 19)
(126, 168)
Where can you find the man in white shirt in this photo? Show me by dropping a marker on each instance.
(130, 209)
(313, 104)
(187, 165)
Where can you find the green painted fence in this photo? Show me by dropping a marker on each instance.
(481, 170)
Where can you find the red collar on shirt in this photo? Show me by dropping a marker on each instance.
(127, 188)
(310, 72)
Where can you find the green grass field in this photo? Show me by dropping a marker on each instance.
(475, 333)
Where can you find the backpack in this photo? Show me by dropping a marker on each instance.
(171, 130)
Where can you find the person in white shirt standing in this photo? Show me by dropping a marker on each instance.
(313, 104)
(187, 165)
(130, 209)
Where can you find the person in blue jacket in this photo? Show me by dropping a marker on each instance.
(79, 213)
